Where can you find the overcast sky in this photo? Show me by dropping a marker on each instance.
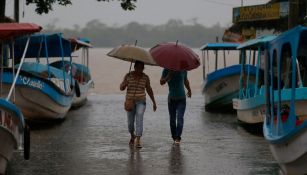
(207, 12)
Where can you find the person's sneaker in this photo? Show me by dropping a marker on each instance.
(131, 142)
(138, 144)
(177, 142)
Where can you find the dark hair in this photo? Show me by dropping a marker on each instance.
(138, 62)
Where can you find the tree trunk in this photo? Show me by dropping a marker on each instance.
(2, 11)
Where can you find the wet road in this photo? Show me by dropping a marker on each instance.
(94, 140)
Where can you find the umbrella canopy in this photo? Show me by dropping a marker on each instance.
(132, 53)
(175, 56)
(10, 30)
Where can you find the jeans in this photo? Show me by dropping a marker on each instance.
(136, 115)
(176, 109)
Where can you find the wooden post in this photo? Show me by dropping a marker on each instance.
(16, 10)
(2, 11)
(216, 57)
(204, 64)
(216, 53)
(254, 57)
(224, 58)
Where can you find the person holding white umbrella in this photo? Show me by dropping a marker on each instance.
(136, 83)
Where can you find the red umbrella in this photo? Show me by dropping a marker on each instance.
(175, 56)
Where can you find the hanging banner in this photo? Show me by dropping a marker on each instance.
(260, 12)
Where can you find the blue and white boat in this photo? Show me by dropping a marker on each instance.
(14, 133)
(80, 69)
(250, 104)
(42, 92)
(285, 124)
(220, 85)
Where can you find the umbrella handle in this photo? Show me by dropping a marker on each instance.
(136, 41)
(130, 66)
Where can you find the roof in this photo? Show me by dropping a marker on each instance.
(294, 37)
(42, 45)
(220, 46)
(77, 43)
(255, 43)
(11, 30)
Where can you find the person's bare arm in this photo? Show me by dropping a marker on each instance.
(187, 85)
(151, 95)
(124, 83)
(169, 76)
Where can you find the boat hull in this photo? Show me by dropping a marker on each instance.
(250, 110)
(84, 89)
(36, 105)
(251, 116)
(11, 131)
(37, 98)
(219, 94)
(292, 155)
(7, 146)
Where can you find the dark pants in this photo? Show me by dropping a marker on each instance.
(176, 109)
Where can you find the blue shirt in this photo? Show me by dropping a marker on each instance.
(176, 84)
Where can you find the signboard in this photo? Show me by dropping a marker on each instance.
(270, 11)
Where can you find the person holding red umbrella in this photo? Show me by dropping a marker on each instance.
(176, 81)
(176, 59)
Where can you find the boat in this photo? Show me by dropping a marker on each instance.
(285, 123)
(14, 133)
(250, 104)
(42, 92)
(81, 71)
(220, 85)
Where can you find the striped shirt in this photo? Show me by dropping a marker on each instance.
(136, 87)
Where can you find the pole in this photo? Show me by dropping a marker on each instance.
(293, 13)
(241, 3)
(2, 11)
(16, 10)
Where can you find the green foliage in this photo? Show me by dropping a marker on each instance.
(44, 6)
(125, 4)
(102, 35)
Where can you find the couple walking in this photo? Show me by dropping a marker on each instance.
(136, 82)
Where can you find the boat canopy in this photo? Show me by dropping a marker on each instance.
(255, 43)
(78, 67)
(43, 45)
(11, 30)
(37, 69)
(76, 44)
(220, 46)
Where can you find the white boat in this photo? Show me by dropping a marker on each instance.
(42, 92)
(285, 124)
(81, 71)
(250, 104)
(222, 84)
(14, 133)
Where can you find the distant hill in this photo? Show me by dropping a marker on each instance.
(101, 35)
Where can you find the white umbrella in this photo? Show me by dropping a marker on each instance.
(132, 53)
